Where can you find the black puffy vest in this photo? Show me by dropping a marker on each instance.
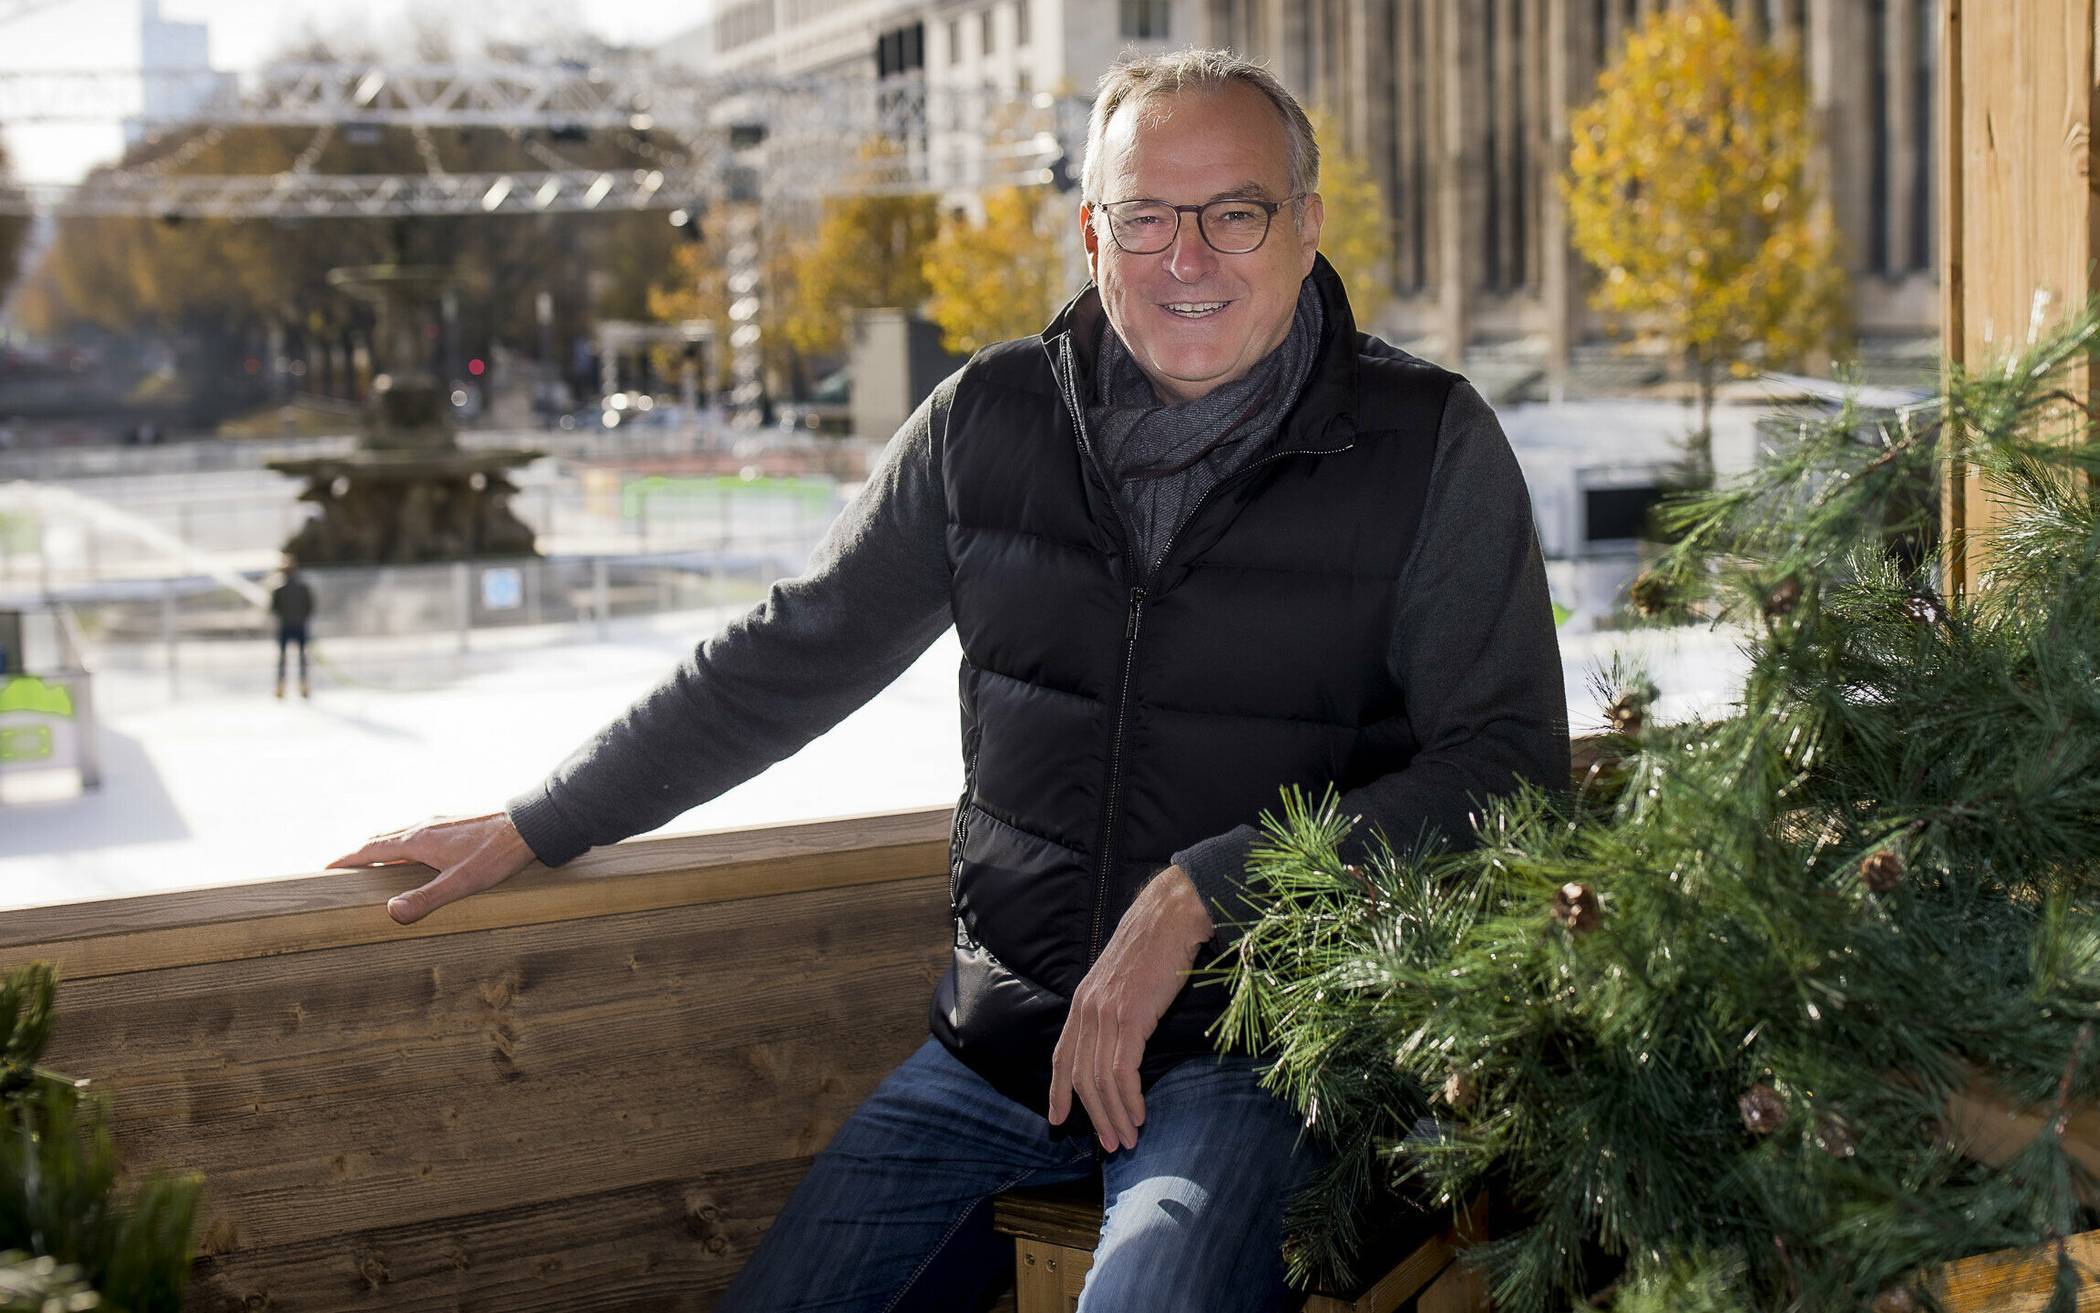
(1113, 715)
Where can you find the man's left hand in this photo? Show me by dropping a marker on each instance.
(1115, 1009)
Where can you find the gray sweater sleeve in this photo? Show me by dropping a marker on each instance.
(872, 598)
(1475, 654)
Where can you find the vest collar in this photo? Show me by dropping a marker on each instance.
(1328, 399)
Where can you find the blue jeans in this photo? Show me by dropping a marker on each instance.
(895, 1214)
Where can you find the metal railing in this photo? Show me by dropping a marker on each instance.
(211, 455)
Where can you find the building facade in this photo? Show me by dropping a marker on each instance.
(1017, 45)
(1461, 109)
(988, 70)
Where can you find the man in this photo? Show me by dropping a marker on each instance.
(292, 602)
(1200, 540)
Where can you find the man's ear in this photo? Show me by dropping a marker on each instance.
(1091, 240)
(1311, 216)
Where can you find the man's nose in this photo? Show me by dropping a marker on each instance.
(1190, 257)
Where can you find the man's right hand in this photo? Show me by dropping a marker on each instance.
(469, 854)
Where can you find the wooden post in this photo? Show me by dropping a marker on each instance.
(1954, 554)
(2018, 215)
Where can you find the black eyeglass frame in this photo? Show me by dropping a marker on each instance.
(1268, 208)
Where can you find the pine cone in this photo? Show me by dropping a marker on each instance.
(1626, 714)
(1782, 600)
(1459, 1091)
(1882, 870)
(1924, 608)
(1575, 907)
(1650, 595)
(1763, 1110)
(1896, 1299)
(1834, 1137)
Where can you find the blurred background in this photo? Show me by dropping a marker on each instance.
(543, 337)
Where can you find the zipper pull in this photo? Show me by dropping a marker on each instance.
(1137, 599)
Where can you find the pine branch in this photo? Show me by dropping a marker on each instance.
(58, 1181)
(1703, 1017)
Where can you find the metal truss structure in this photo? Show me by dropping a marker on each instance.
(738, 138)
(501, 95)
(312, 196)
(754, 144)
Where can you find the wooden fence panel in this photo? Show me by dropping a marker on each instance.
(586, 1088)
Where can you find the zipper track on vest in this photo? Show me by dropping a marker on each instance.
(1115, 767)
(1069, 384)
(1069, 388)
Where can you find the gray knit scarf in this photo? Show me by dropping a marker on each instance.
(1165, 457)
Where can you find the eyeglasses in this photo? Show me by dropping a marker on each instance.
(1233, 226)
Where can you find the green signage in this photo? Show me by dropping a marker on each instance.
(25, 742)
(28, 693)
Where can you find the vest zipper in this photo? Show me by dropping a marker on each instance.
(1115, 768)
(1068, 382)
(1069, 388)
(961, 837)
(1130, 633)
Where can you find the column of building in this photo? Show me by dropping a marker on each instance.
(1461, 109)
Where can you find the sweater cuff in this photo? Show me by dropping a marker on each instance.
(552, 839)
(1218, 868)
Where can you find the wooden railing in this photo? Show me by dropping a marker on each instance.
(585, 1088)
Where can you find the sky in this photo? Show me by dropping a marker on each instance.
(103, 34)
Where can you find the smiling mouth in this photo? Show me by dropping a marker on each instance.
(1193, 309)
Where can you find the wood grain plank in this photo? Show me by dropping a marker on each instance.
(2020, 1282)
(344, 908)
(404, 1083)
(1039, 1280)
(1992, 1129)
(1954, 561)
(1458, 1290)
(671, 1244)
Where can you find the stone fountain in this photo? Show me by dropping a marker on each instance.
(409, 492)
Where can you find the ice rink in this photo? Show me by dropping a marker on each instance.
(226, 785)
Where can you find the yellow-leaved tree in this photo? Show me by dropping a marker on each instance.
(1688, 188)
(869, 251)
(1002, 278)
(1355, 234)
(695, 285)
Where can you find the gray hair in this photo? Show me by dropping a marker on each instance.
(1142, 78)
